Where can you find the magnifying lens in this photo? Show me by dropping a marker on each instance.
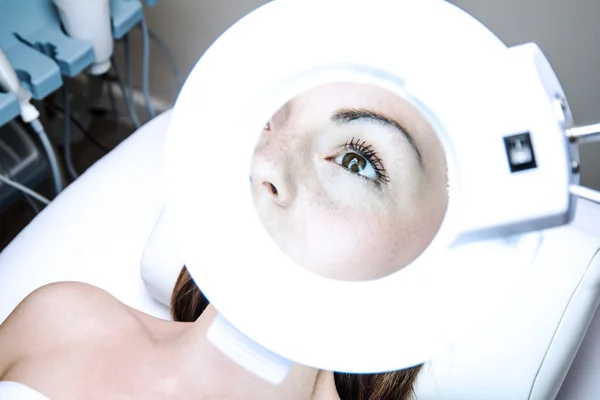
(356, 186)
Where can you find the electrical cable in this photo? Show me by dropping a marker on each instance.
(9, 174)
(126, 99)
(146, 67)
(177, 78)
(178, 82)
(79, 126)
(67, 145)
(128, 74)
(169, 55)
(29, 114)
(24, 189)
(113, 105)
(50, 153)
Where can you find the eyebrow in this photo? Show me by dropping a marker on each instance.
(345, 116)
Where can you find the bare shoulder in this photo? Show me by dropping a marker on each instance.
(55, 315)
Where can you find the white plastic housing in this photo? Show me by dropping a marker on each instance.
(234, 344)
(474, 91)
(9, 82)
(89, 20)
(495, 201)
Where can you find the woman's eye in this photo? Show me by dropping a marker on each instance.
(357, 164)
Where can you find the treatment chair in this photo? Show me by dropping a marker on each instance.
(106, 230)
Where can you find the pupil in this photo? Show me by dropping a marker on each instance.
(354, 162)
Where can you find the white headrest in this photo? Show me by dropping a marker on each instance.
(14, 390)
(161, 263)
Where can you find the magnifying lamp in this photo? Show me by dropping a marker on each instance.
(499, 114)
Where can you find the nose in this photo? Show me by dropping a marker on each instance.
(271, 177)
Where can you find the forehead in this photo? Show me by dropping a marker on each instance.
(321, 102)
(317, 105)
(348, 95)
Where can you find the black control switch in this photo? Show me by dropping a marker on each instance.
(520, 153)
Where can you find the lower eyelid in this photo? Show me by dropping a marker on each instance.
(376, 183)
(377, 163)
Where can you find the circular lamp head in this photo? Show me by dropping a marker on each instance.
(443, 65)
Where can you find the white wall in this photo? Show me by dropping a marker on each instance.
(188, 27)
(567, 31)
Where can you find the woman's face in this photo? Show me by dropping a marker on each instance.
(350, 181)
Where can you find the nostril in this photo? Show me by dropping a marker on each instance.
(271, 187)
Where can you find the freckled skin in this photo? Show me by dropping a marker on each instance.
(331, 221)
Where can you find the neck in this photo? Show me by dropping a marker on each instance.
(202, 359)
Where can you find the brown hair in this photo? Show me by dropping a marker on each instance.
(188, 303)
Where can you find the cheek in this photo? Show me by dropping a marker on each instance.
(357, 246)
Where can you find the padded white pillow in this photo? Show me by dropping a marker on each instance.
(525, 352)
(161, 263)
(96, 230)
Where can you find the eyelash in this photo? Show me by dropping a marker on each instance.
(367, 151)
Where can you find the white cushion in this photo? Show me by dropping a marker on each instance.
(161, 263)
(97, 229)
(18, 391)
(525, 352)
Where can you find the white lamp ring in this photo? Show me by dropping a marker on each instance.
(428, 49)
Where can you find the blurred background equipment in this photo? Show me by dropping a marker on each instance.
(67, 94)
